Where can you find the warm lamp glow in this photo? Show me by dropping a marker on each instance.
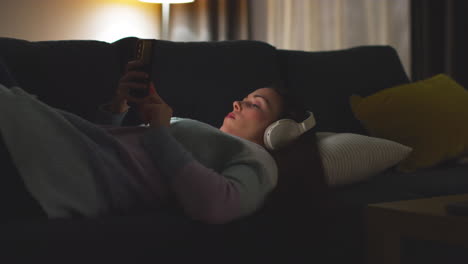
(167, 1)
(166, 5)
(111, 22)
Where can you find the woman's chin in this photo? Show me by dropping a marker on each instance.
(228, 129)
(224, 128)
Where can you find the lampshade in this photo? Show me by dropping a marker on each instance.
(167, 1)
(165, 13)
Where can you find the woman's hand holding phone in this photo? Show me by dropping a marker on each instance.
(154, 110)
(132, 79)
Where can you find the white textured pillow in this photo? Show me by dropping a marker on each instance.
(349, 158)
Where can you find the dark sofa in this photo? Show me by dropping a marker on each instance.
(200, 80)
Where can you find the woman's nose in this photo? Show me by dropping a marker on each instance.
(237, 106)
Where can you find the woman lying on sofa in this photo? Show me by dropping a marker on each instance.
(73, 168)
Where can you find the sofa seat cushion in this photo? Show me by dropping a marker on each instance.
(391, 185)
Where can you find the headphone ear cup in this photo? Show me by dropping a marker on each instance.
(280, 133)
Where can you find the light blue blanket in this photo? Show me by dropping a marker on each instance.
(63, 159)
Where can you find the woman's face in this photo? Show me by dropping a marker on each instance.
(251, 116)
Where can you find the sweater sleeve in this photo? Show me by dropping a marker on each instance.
(204, 194)
(105, 117)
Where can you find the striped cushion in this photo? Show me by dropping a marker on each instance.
(349, 158)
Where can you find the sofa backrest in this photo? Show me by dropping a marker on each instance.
(74, 75)
(324, 81)
(200, 80)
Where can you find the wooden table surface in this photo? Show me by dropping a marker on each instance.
(425, 219)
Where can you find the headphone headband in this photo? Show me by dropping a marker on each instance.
(308, 123)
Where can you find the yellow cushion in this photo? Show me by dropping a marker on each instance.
(430, 116)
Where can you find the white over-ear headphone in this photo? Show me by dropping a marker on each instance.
(284, 131)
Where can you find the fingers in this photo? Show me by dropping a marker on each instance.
(149, 111)
(138, 101)
(156, 114)
(150, 99)
(125, 86)
(132, 80)
(134, 76)
(143, 111)
(153, 109)
(134, 64)
(152, 89)
(154, 96)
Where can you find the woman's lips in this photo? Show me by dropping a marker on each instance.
(231, 115)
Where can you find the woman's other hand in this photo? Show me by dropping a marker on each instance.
(154, 110)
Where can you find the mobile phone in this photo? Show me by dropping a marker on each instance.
(144, 53)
